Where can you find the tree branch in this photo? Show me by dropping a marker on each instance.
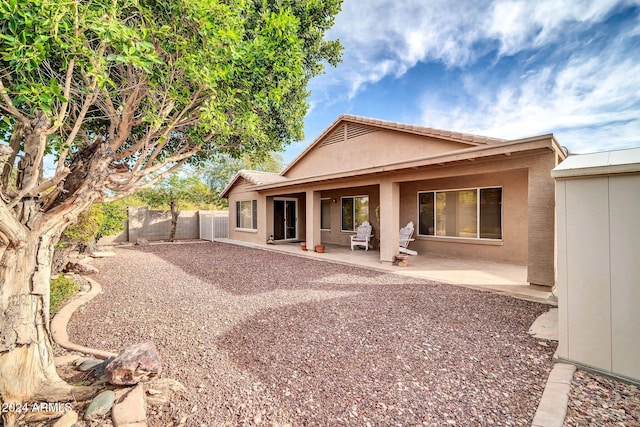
(135, 186)
(9, 154)
(10, 227)
(36, 143)
(9, 107)
(112, 114)
(174, 123)
(89, 100)
(51, 182)
(67, 96)
(130, 106)
(175, 158)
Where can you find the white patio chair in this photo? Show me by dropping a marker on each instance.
(406, 234)
(362, 237)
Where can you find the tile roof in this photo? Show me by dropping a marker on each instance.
(254, 178)
(423, 130)
(260, 177)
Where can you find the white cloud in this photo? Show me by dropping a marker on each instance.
(388, 37)
(591, 102)
(572, 77)
(525, 24)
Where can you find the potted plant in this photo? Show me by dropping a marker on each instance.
(303, 246)
(320, 249)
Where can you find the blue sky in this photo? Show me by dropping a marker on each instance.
(500, 68)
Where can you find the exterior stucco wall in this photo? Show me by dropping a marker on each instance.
(338, 237)
(239, 193)
(512, 248)
(373, 149)
(536, 216)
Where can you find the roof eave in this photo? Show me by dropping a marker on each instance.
(227, 189)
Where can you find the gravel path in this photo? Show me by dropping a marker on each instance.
(264, 338)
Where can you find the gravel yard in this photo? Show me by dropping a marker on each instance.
(264, 338)
(596, 400)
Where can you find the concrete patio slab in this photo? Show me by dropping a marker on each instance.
(504, 278)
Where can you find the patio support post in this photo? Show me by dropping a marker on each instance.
(313, 219)
(389, 220)
(262, 218)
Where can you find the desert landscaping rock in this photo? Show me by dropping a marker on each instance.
(131, 408)
(68, 419)
(80, 360)
(160, 390)
(136, 363)
(67, 359)
(596, 400)
(258, 337)
(38, 417)
(141, 241)
(100, 405)
(89, 365)
(80, 267)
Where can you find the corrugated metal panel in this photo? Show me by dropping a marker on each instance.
(608, 162)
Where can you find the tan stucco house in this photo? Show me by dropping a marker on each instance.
(469, 196)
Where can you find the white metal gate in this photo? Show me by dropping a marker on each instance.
(214, 225)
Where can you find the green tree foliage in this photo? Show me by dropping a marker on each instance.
(219, 171)
(114, 215)
(101, 219)
(186, 189)
(162, 82)
(122, 93)
(87, 227)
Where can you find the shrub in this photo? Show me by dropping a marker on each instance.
(61, 289)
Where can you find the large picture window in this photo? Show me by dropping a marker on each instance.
(471, 213)
(355, 211)
(247, 214)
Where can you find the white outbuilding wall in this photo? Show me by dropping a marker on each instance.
(598, 223)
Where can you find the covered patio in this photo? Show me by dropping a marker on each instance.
(504, 278)
(469, 197)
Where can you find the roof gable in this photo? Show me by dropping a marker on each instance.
(251, 177)
(373, 142)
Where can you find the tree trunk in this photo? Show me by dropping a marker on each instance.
(175, 213)
(27, 367)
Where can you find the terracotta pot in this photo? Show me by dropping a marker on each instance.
(402, 260)
(303, 246)
(320, 248)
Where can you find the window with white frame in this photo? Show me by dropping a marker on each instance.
(470, 213)
(325, 214)
(247, 214)
(355, 211)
